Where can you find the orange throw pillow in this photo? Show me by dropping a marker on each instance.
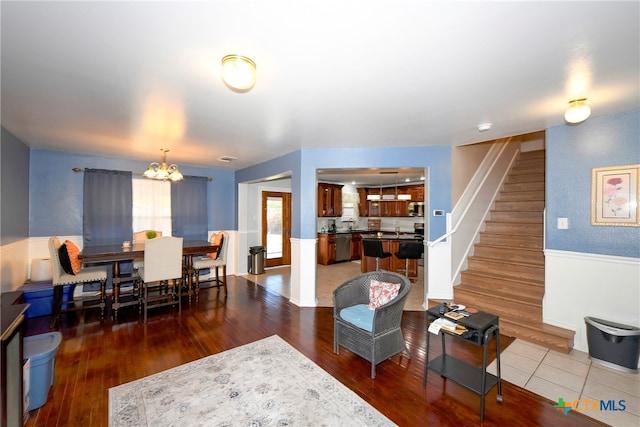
(74, 256)
(216, 240)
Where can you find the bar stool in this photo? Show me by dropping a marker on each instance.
(407, 251)
(373, 248)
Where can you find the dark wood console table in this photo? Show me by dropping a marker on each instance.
(11, 395)
(481, 328)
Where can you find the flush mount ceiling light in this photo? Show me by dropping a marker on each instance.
(238, 72)
(163, 172)
(483, 127)
(578, 111)
(227, 159)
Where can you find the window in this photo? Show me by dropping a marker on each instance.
(151, 205)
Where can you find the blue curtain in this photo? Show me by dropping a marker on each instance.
(108, 206)
(108, 212)
(189, 208)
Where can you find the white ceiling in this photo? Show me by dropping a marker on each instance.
(124, 79)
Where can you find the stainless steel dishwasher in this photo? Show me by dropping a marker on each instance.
(343, 246)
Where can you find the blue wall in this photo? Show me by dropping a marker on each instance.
(288, 164)
(14, 189)
(572, 151)
(303, 165)
(56, 191)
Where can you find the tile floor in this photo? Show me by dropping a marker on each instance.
(572, 377)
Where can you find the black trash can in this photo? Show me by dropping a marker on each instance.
(256, 259)
(612, 344)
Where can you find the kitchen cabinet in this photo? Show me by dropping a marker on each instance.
(363, 206)
(356, 242)
(416, 192)
(388, 204)
(329, 200)
(395, 208)
(387, 208)
(326, 248)
(374, 208)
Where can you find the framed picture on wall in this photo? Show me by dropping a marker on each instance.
(614, 196)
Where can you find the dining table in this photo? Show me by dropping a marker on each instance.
(115, 254)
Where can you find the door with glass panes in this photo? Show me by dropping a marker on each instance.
(276, 227)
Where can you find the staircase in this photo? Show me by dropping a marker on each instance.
(505, 274)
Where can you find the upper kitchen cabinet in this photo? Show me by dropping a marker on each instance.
(329, 200)
(392, 201)
(416, 192)
(362, 205)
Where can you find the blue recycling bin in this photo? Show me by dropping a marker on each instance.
(41, 351)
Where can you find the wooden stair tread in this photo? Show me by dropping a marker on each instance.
(498, 276)
(537, 195)
(499, 233)
(514, 241)
(540, 333)
(523, 186)
(503, 261)
(499, 295)
(513, 228)
(541, 326)
(503, 246)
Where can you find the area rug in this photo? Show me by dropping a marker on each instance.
(264, 383)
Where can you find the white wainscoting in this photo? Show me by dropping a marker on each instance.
(14, 265)
(581, 284)
(303, 272)
(16, 258)
(438, 283)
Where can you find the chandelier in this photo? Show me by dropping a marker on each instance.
(163, 172)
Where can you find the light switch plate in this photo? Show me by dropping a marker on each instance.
(438, 212)
(563, 223)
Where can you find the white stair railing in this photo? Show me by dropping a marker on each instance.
(474, 206)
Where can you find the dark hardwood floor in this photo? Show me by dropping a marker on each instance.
(94, 357)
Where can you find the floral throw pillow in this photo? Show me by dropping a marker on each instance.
(381, 293)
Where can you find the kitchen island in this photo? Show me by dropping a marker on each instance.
(390, 243)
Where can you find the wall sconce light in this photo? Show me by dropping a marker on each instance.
(578, 111)
(238, 72)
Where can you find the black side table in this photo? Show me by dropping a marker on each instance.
(482, 327)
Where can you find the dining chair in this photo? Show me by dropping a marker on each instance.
(73, 273)
(140, 237)
(213, 261)
(161, 274)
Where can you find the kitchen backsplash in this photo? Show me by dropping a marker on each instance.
(386, 224)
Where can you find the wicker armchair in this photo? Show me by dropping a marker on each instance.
(385, 338)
